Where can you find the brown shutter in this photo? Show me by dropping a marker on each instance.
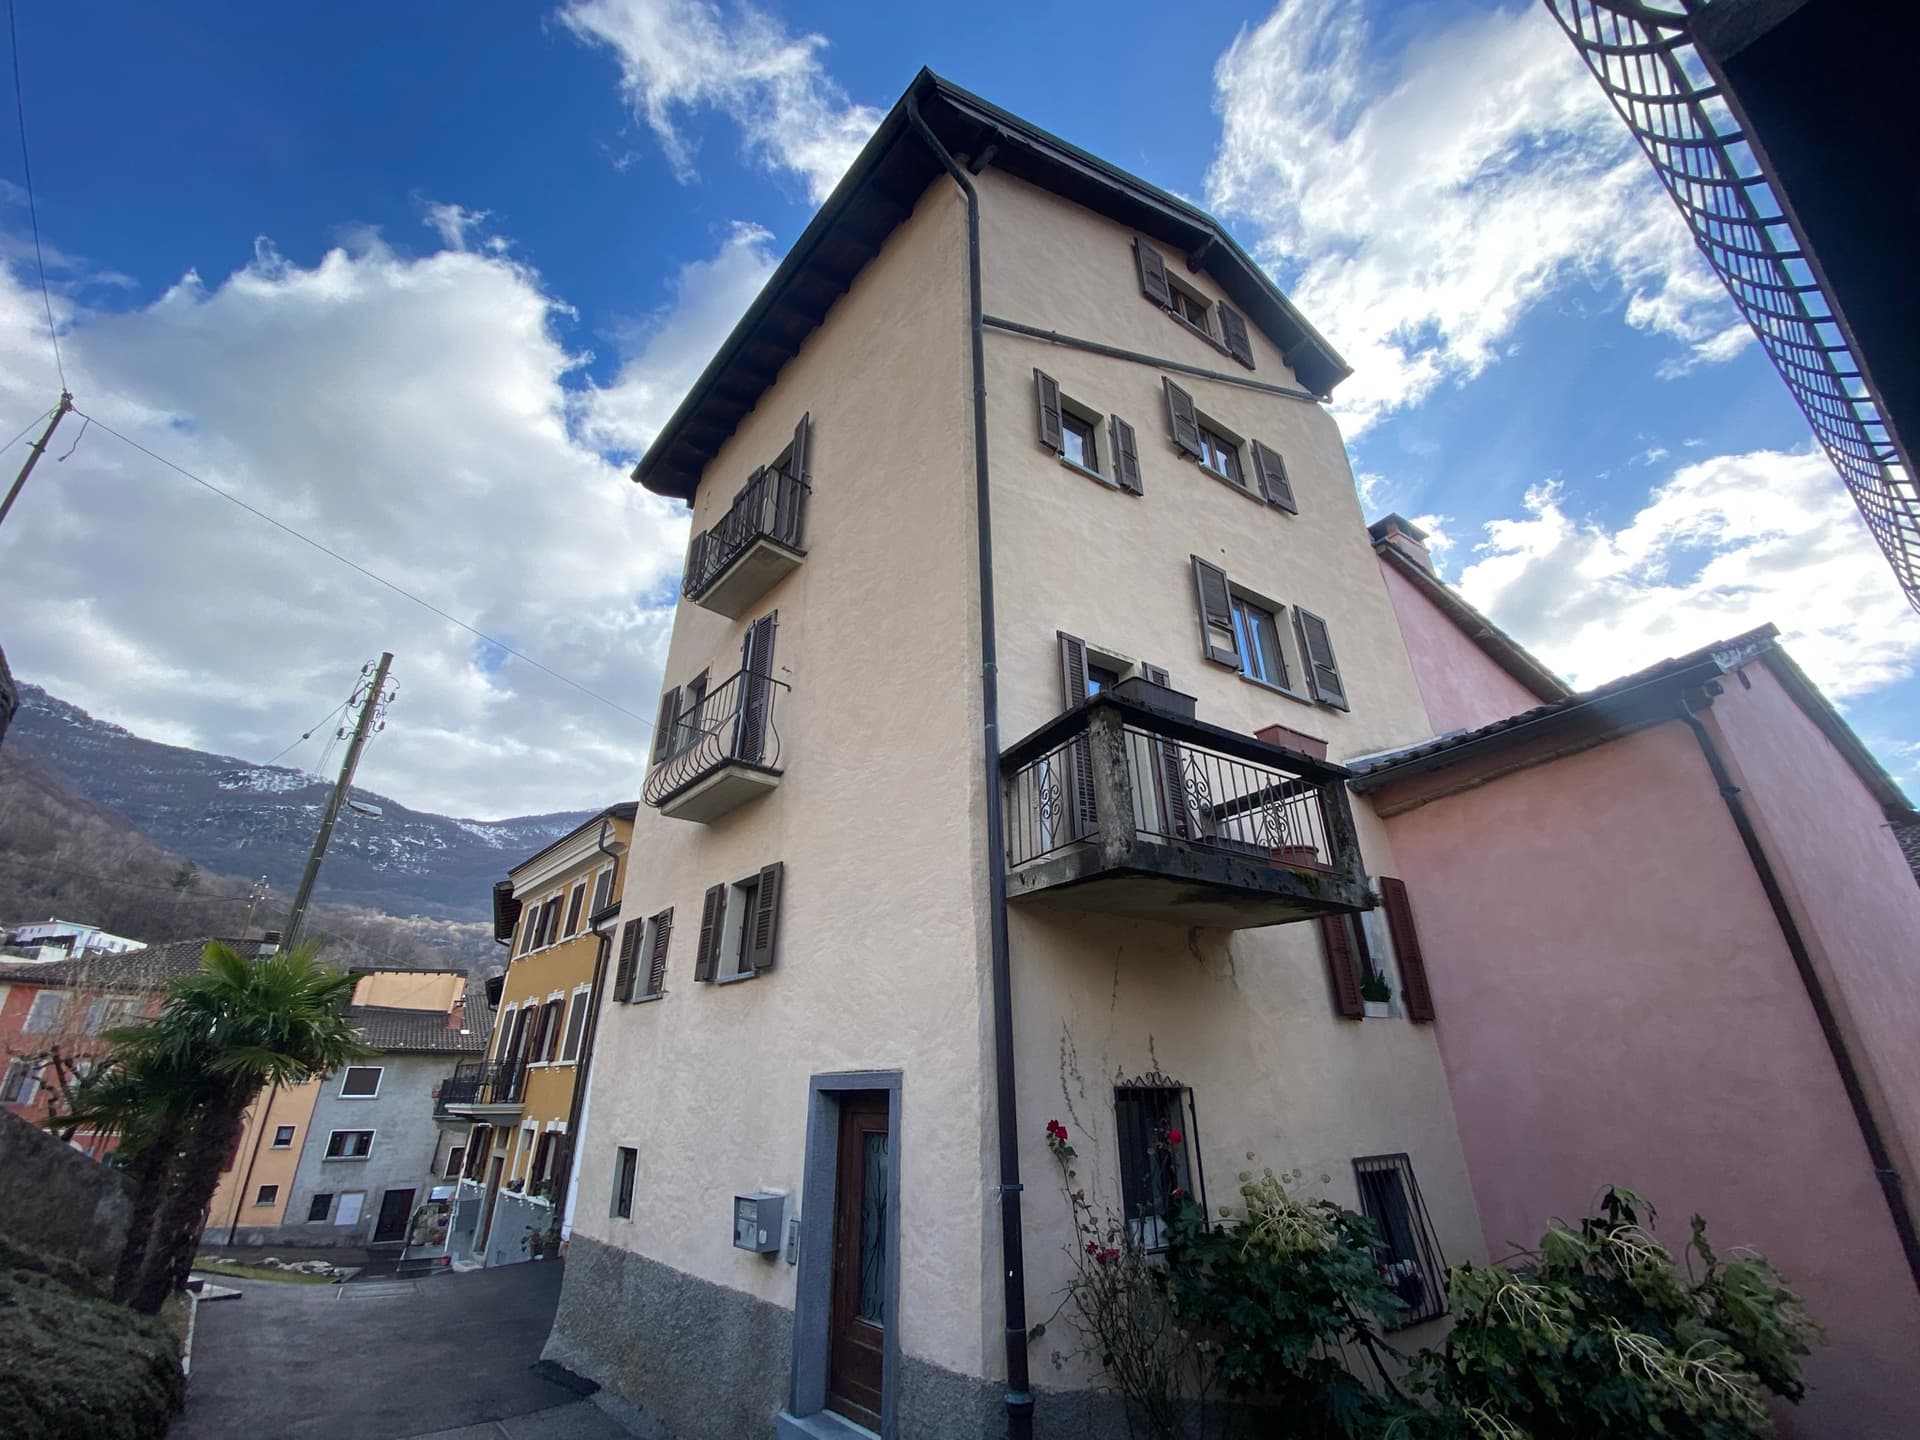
(1181, 419)
(1126, 455)
(1153, 273)
(1316, 648)
(764, 922)
(1073, 669)
(1154, 674)
(1406, 946)
(1218, 641)
(802, 442)
(663, 724)
(1046, 392)
(713, 911)
(1233, 330)
(1272, 472)
(1342, 969)
(629, 953)
(1073, 687)
(756, 691)
(657, 962)
(695, 577)
(578, 898)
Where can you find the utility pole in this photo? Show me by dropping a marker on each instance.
(362, 728)
(34, 452)
(254, 897)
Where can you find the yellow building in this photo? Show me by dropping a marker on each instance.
(555, 909)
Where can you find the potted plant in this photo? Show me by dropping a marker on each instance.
(1296, 857)
(1376, 1000)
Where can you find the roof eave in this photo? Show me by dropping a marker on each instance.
(1505, 651)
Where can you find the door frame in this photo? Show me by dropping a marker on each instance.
(406, 1223)
(813, 1299)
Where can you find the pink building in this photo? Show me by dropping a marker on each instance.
(1705, 981)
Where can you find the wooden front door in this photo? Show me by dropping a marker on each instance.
(396, 1207)
(857, 1338)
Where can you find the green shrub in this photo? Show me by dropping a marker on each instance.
(74, 1365)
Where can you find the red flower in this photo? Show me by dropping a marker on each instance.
(1173, 1137)
(1093, 1247)
(1056, 1132)
(1178, 1193)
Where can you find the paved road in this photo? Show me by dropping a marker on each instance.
(448, 1358)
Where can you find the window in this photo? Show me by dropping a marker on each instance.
(540, 1177)
(318, 1207)
(456, 1162)
(1190, 308)
(479, 1147)
(1156, 1149)
(1257, 630)
(1186, 305)
(1071, 431)
(266, 1195)
(741, 900)
(349, 1144)
(283, 1137)
(1408, 1254)
(550, 921)
(528, 927)
(1076, 441)
(45, 1012)
(96, 1017)
(739, 927)
(692, 723)
(348, 1211)
(1221, 455)
(625, 1161)
(22, 1082)
(550, 1030)
(362, 1082)
(573, 908)
(576, 1027)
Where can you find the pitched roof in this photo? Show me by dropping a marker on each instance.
(879, 192)
(152, 968)
(414, 1032)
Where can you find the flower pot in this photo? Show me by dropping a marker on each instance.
(1377, 1009)
(1294, 857)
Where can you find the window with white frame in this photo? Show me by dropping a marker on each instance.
(266, 1195)
(361, 1082)
(456, 1162)
(349, 1144)
(283, 1137)
(1260, 629)
(45, 1012)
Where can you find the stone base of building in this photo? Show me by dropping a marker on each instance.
(697, 1361)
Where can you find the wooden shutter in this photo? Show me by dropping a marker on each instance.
(1174, 815)
(1079, 777)
(663, 724)
(764, 923)
(1406, 947)
(574, 902)
(556, 1022)
(713, 910)
(527, 930)
(1126, 455)
(1316, 648)
(1342, 969)
(1219, 643)
(629, 954)
(802, 443)
(756, 682)
(1153, 273)
(1046, 392)
(1233, 330)
(1182, 420)
(657, 961)
(1272, 473)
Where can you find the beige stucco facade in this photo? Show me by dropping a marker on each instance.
(263, 1158)
(883, 957)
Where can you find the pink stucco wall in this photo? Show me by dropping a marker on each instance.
(1616, 1005)
(1462, 688)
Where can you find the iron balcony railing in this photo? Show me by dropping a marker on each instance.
(482, 1082)
(1116, 772)
(731, 724)
(772, 506)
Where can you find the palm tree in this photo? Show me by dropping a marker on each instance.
(229, 1029)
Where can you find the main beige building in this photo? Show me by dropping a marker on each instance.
(1028, 614)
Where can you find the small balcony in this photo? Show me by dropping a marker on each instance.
(1129, 806)
(723, 751)
(482, 1090)
(757, 541)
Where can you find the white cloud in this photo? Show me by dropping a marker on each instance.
(667, 352)
(1418, 205)
(452, 222)
(1725, 544)
(1439, 539)
(680, 56)
(326, 396)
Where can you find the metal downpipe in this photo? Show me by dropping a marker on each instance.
(1019, 1398)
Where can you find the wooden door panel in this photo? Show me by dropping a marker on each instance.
(857, 1338)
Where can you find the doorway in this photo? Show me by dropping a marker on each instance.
(486, 1213)
(857, 1332)
(396, 1208)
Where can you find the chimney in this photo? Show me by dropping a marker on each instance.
(1406, 537)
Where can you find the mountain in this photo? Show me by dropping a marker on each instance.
(239, 818)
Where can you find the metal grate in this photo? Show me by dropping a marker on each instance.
(1409, 1256)
(1644, 58)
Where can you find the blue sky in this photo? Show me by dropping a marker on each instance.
(421, 280)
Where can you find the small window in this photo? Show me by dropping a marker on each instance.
(1076, 441)
(576, 1027)
(456, 1162)
(45, 1012)
(318, 1208)
(1408, 1254)
(741, 900)
(349, 1144)
(1190, 308)
(1258, 631)
(347, 1212)
(362, 1082)
(266, 1195)
(22, 1083)
(625, 1161)
(283, 1137)
(1221, 455)
(540, 1178)
(693, 722)
(550, 1026)
(1156, 1149)
(1100, 677)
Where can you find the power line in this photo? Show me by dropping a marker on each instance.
(33, 213)
(400, 590)
(315, 726)
(23, 434)
(124, 884)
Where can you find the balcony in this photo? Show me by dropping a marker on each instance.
(1129, 806)
(756, 542)
(482, 1090)
(723, 751)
